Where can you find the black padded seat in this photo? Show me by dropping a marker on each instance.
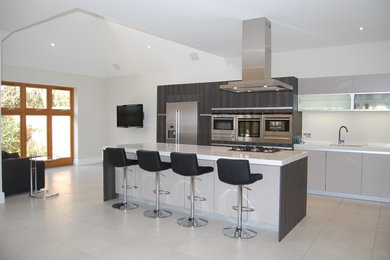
(117, 158)
(186, 164)
(151, 161)
(237, 172)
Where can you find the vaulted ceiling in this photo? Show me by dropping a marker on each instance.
(112, 38)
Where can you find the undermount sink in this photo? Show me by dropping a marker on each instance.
(347, 145)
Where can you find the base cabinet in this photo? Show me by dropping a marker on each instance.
(316, 175)
(376, 175)
(344, 172)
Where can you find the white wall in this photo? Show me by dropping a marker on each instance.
(143, 89)
(90, 101)
(363, 127)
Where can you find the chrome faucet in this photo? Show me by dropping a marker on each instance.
(341, 141)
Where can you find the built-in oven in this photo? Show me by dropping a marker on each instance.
(277, 128)
(249, 128)
(223, 128)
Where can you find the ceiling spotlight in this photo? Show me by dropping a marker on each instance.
(52, 44)
(361, 28)
(149, 47)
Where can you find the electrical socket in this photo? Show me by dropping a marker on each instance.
(307, 135)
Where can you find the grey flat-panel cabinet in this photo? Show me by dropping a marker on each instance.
(376, 175)
(371, 83)
(342, 84)
(316, 175)
(344, 172)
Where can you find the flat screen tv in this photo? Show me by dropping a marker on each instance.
(130, 115)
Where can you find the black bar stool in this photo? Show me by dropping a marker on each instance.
(150, 161)
(237, 172)
(117, 158)
(186, 164)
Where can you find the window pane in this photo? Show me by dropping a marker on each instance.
(61, 136)
(36, 98)
(10, 134)
(10, 96)
(36, 135)
(61, 99)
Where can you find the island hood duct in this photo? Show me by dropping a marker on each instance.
(256, 60)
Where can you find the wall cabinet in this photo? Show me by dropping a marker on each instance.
(371, 83)
(324, 85)
(376, 175)
(343, 172)
(316, 175)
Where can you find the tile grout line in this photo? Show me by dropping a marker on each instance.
(376, 231)
(322, 229)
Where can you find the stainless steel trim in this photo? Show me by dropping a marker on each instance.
(223, 135)
(249, 108)
(249, 117)
(275, 136)
(256, 59)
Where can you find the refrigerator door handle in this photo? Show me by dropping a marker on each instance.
(177, 126)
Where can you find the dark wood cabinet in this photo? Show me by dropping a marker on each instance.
(210, 96)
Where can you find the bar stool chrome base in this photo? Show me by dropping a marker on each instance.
(192, 222)
(160, 213)
(125, 205)
(236, 232)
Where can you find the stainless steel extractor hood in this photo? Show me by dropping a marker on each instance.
(256, 60)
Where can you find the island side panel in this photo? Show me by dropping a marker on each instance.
(293, 196)
(108, 179)
(264, 195)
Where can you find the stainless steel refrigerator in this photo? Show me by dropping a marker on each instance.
(182, 122)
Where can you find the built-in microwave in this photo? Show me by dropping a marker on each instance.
(249, 128)
(223, 128)
(277, 128)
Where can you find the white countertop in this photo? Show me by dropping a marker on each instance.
(351, 148)
(215, 152)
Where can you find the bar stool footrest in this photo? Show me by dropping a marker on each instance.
(130, 187)
(197, 198)
(162, 192)
(244, 209)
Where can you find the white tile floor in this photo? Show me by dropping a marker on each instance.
(79, 225)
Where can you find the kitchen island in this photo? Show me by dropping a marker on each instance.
(279, 199)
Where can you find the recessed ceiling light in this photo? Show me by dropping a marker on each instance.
(116, 66)
(361, 28)
(149, 47)
(52, 44)
(194, 56)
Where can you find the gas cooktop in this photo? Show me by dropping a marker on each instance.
(261, 149)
